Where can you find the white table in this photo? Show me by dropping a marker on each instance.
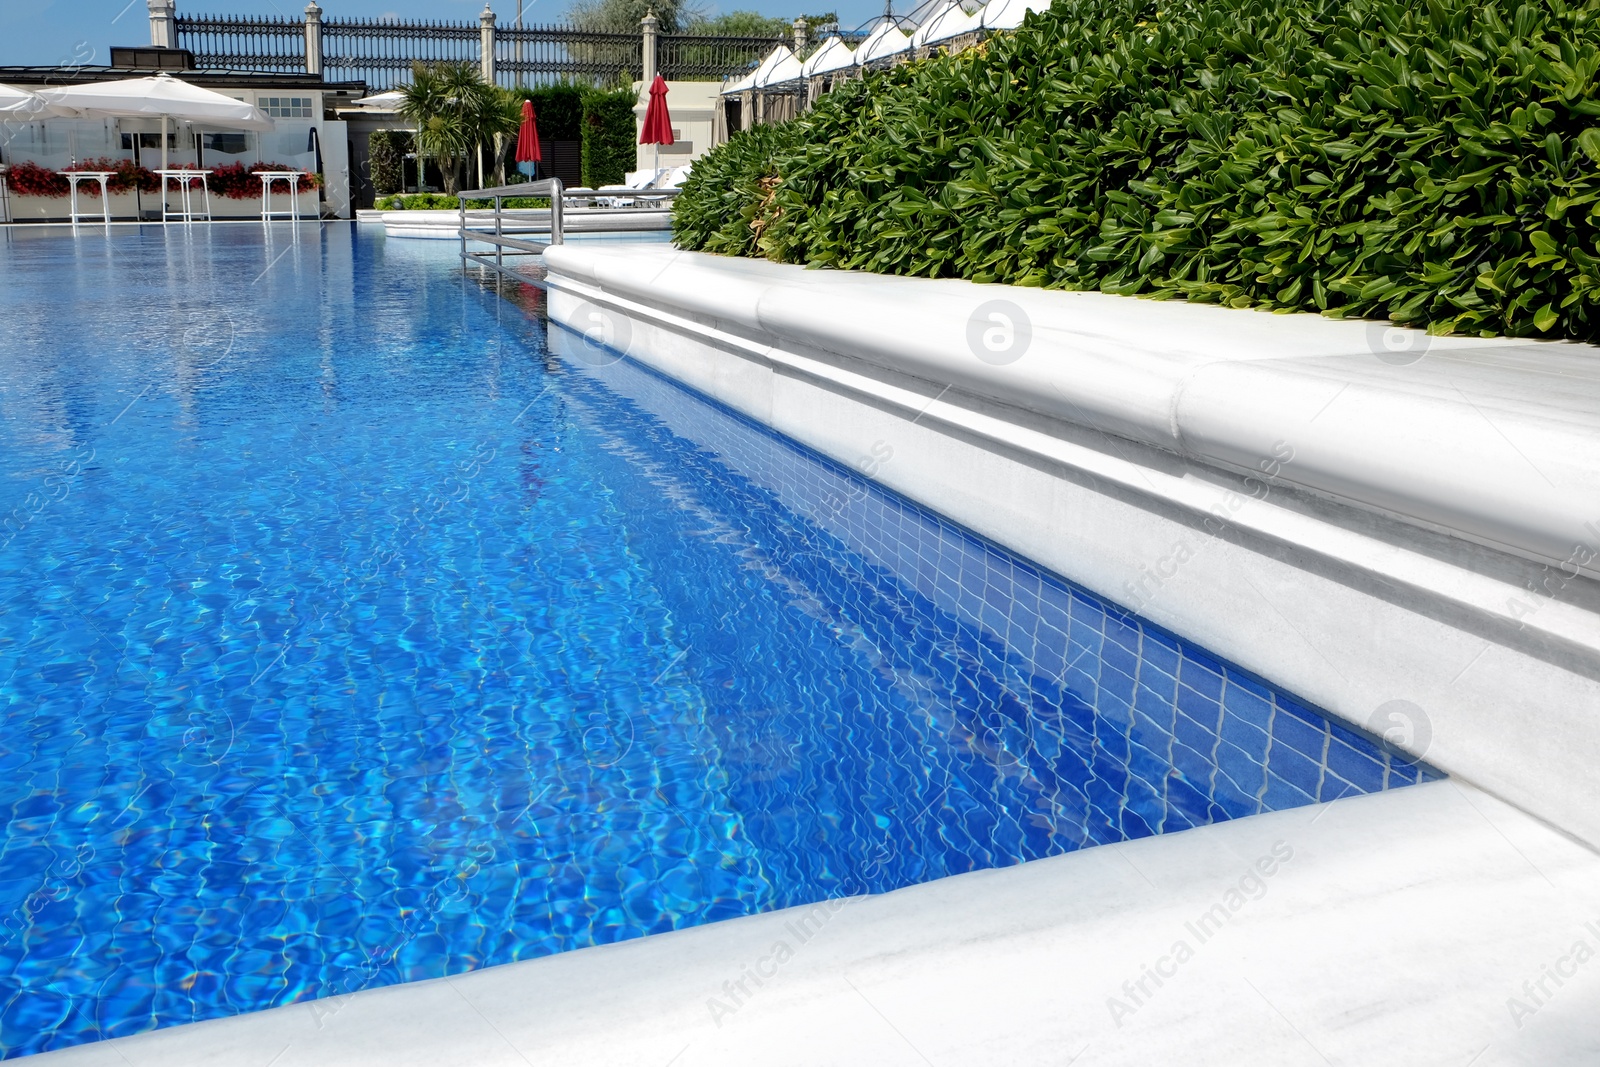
(185, 179)
(102, 176)
(267, 178)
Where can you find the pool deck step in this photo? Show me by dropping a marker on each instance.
(1427, 925)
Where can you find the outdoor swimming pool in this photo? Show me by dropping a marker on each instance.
(348, 637)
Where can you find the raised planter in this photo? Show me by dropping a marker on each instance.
(59, 208)
(126, 206)
(1402, 529)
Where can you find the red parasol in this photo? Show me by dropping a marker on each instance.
(528, 138)
(657, 122)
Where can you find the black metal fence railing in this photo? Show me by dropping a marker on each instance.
(381, 52)
(266, 43)
(687, 57)
(535, 55)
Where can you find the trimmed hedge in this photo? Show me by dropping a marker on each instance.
(1433, 163)
(729, 187)
(560, 110)
(442, 202)
(386, 152)
(609, 135)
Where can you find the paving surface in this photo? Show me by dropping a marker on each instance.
(1429, 925)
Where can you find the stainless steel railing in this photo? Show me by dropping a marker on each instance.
(527, 222)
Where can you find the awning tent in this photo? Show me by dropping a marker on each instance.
(1008, 14)
(741, 85)
(952, 21)
(833, 55)
(885, 41)
(786, 69)
(924, 11)
(780, 62)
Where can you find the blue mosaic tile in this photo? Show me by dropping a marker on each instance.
(647, 666)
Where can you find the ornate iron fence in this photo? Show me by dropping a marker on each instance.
(381, 52)
(539, 54)
(232, 42)
(688, 57)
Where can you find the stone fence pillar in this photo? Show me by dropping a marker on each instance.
(162, 34)
(313, 39)
(486, 36)
(650, 24)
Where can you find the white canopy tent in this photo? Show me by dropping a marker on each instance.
(744, 83)
(161, 96)
(1008, 14)
(833, 55)
(924, 11)
(778, 62)
(954, 21)
(885, 41)
(19, 104)
(786, 69)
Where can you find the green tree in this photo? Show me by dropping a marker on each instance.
(456, 113)
(502, 123)
(624, 16)
(752, 24)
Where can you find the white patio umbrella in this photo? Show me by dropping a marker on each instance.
(389, 101)
(163, 97)
(29, 107)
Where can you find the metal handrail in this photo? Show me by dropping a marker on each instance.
(547, 187)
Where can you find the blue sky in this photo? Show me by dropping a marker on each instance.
(41, 32)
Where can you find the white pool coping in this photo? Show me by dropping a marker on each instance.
(1491, 439)
(1400, 930)
(1402, 530)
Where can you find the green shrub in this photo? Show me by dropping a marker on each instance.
(609, 136)
(1433, 163)
(441, 202)
(729, 188)
(559, 109)
(386, 151)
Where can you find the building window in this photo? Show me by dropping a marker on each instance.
(231, 144)
(287, 107)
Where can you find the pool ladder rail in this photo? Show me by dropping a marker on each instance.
(528, 232)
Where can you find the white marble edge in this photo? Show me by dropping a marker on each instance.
(1348, 606)
(1570, 626)
(1398, 928)
(1491, 440)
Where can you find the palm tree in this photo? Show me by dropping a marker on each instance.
(455, 111)
(503, 125)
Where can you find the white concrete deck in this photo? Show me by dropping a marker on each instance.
(1396, 932)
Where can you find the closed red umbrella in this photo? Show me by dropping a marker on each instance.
(657, 121)
(528, 141)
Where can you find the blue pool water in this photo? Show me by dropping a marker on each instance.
(348, 637)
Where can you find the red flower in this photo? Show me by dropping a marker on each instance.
(234, 181)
